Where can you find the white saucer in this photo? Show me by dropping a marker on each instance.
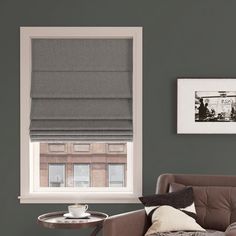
(82, 216)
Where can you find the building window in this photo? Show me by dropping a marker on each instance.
(81, 175)
(116, 175)
(82, 169)
(78, 108)
(56, 173)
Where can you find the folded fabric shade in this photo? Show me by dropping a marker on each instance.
(81, 89)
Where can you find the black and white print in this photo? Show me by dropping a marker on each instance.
(215, 106)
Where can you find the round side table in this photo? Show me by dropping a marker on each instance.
(56, 220)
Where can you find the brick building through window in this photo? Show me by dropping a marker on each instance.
(74, 164)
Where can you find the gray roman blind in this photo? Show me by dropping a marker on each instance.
(81, 89)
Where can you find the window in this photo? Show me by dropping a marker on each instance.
(84, 165)
(81, 175)
(81, 114)
(116, 175)
(56, 173)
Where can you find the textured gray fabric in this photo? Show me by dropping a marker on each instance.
(81, 129)
(81, 89)
(185, 233)
(76, 109)
(64, 125)
(81, 135)
(78, 137)
(82, 54)
(87, 133)
(82, 85)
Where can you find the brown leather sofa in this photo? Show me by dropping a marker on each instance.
(215, 202)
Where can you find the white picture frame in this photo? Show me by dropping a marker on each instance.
(188, 90)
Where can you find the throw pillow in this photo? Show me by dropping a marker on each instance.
(182, 200)
(167, 218)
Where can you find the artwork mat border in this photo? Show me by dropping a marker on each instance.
(186, 101)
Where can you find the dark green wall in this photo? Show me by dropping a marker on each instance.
(181, 38)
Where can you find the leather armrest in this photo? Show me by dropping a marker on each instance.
(132, 223)
(231, 230)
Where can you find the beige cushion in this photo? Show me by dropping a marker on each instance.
(167, 218)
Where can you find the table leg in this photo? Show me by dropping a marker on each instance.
(96, 230)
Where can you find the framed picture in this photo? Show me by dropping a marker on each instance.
(206, 106)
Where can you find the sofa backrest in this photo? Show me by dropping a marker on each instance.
(214, 197)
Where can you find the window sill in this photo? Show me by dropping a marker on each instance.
(79, 198)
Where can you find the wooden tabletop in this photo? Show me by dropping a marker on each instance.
(56, 220)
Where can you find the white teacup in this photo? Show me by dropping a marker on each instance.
(77, 209)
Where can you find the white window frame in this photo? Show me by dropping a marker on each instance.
(30, 151)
